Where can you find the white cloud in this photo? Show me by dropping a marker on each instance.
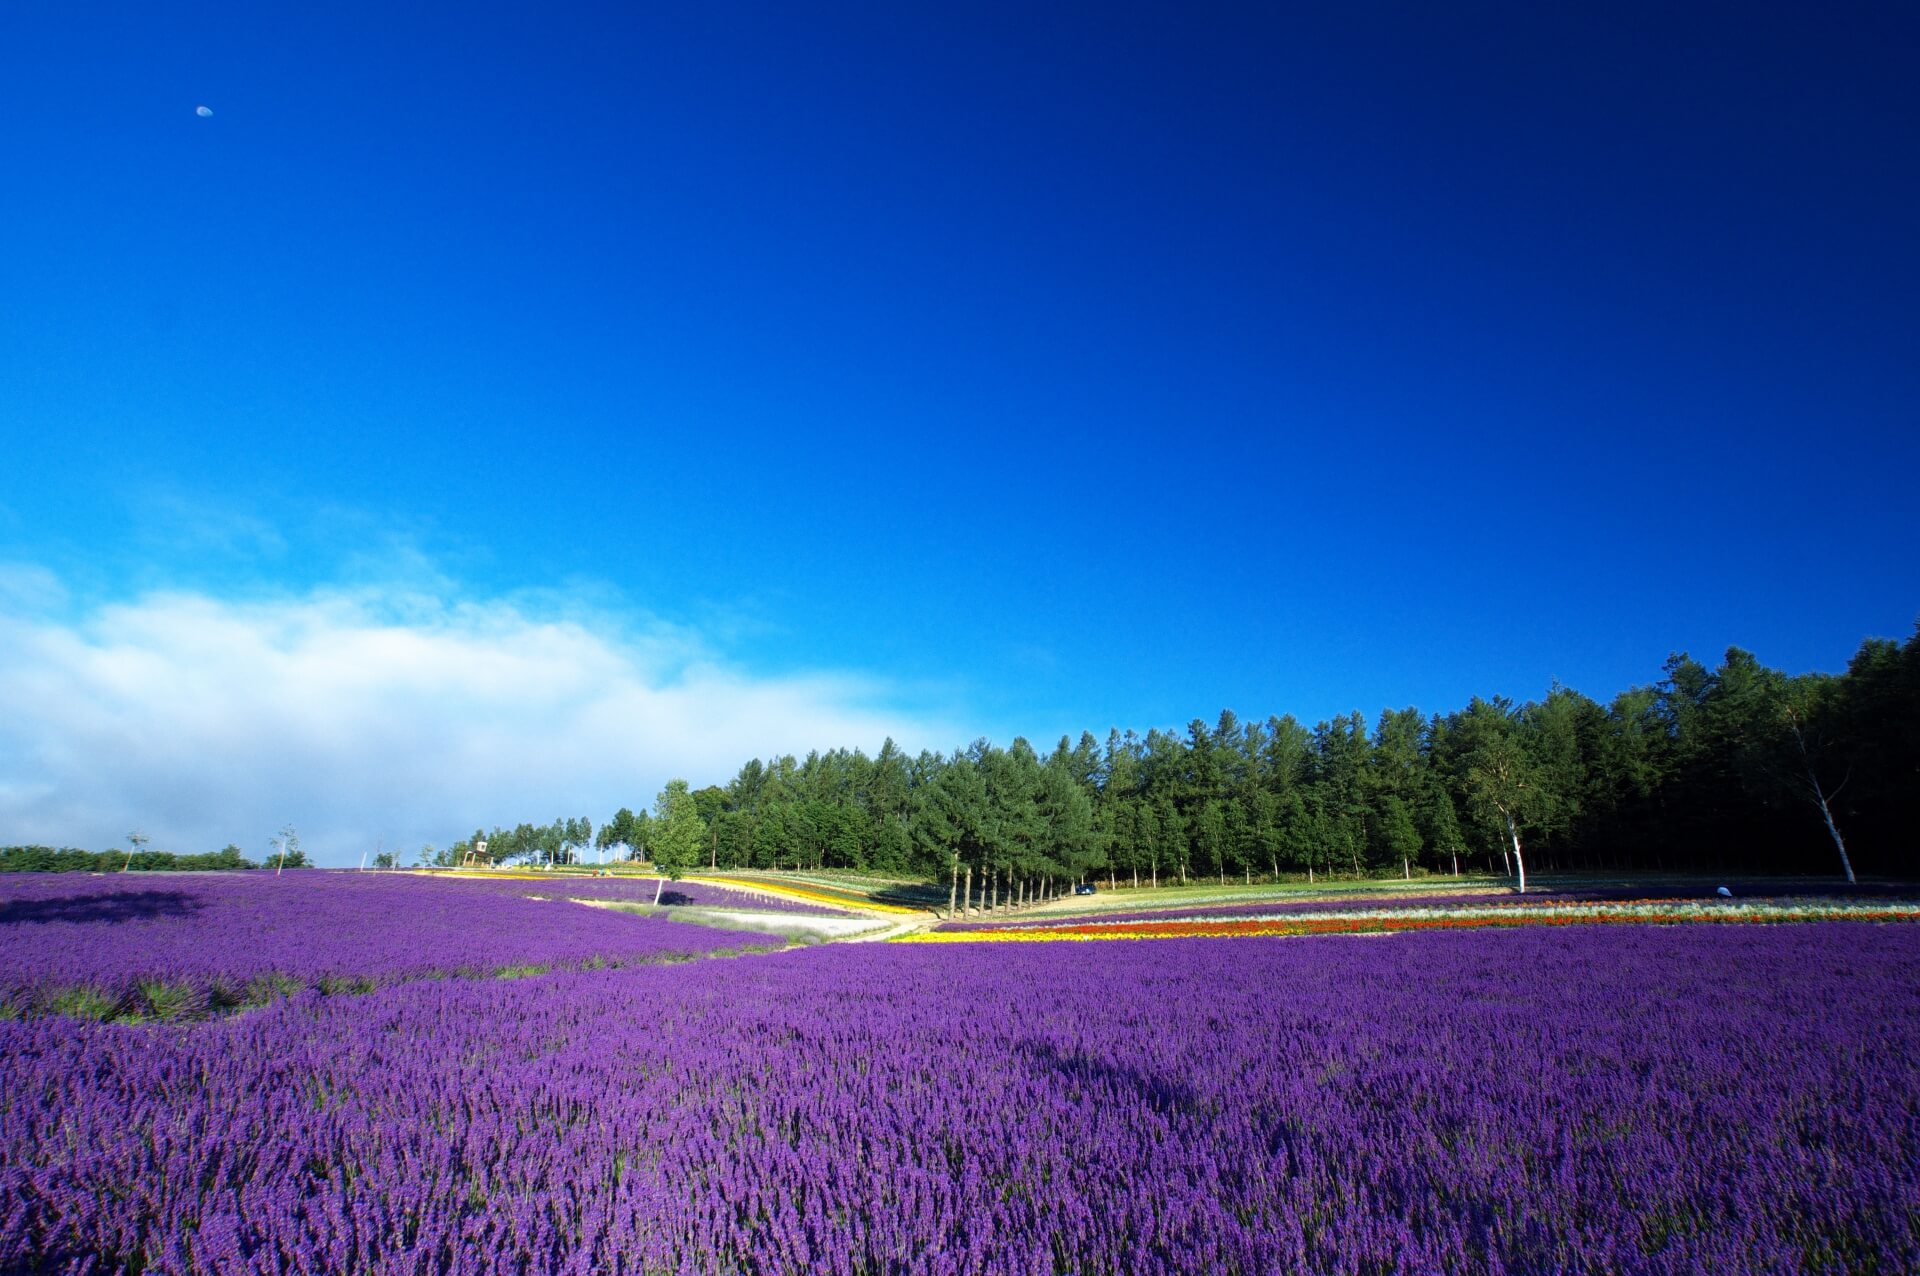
(372, 715)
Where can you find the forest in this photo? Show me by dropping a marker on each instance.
(67, 859)
(1738, 768)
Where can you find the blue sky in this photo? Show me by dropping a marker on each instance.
(934, 373)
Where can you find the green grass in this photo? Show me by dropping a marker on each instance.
(161, 1002)
(83, 1003)
(168, 1002)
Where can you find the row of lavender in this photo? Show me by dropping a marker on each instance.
(1573, 1101)
(641, 890)
(180, 946)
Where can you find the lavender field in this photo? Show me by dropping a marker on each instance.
(640, 890)
(182, 945)
(1568, 1100)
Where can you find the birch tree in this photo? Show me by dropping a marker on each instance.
(1503, 784)
(284, 846)
(1793, 749)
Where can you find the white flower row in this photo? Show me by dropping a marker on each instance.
(1581, 908)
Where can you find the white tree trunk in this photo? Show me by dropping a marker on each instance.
(1514, 833)
(1826, 813)
(659, 884)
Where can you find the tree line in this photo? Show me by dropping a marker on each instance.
(285, 853)
(68, 859)
(1733, 768)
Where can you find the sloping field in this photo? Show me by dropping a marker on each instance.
(175, 945)
(703, 892)
(1569, 1099)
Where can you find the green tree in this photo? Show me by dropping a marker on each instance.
(618, 831)
(1792, 745)
(1338, 768)
(770, 835)
(1210, 831)
(1014, 831)
(1397, 832)
(1504, 784)
(1294, 833)
(677, 843)
(1068, 839)
(1442, 826)
(949, 827)
(711, 803)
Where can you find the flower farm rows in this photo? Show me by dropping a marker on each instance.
(640, 890)
(1583, 1099)
(1355, 901)
(1106, 908)
(807, 888)
(1404, 916)
(1259, 908)
(181, 945)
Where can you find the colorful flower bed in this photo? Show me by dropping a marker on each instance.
(686, 893)
(1106, 908)
(183, 945)
(1258, 908)
(1423, 915)
(814, 894)
(1592, 1100)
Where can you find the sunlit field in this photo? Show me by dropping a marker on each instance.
(568, 1092)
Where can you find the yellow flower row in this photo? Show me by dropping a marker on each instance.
(801, 893)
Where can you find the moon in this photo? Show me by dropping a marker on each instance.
(204, 112)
